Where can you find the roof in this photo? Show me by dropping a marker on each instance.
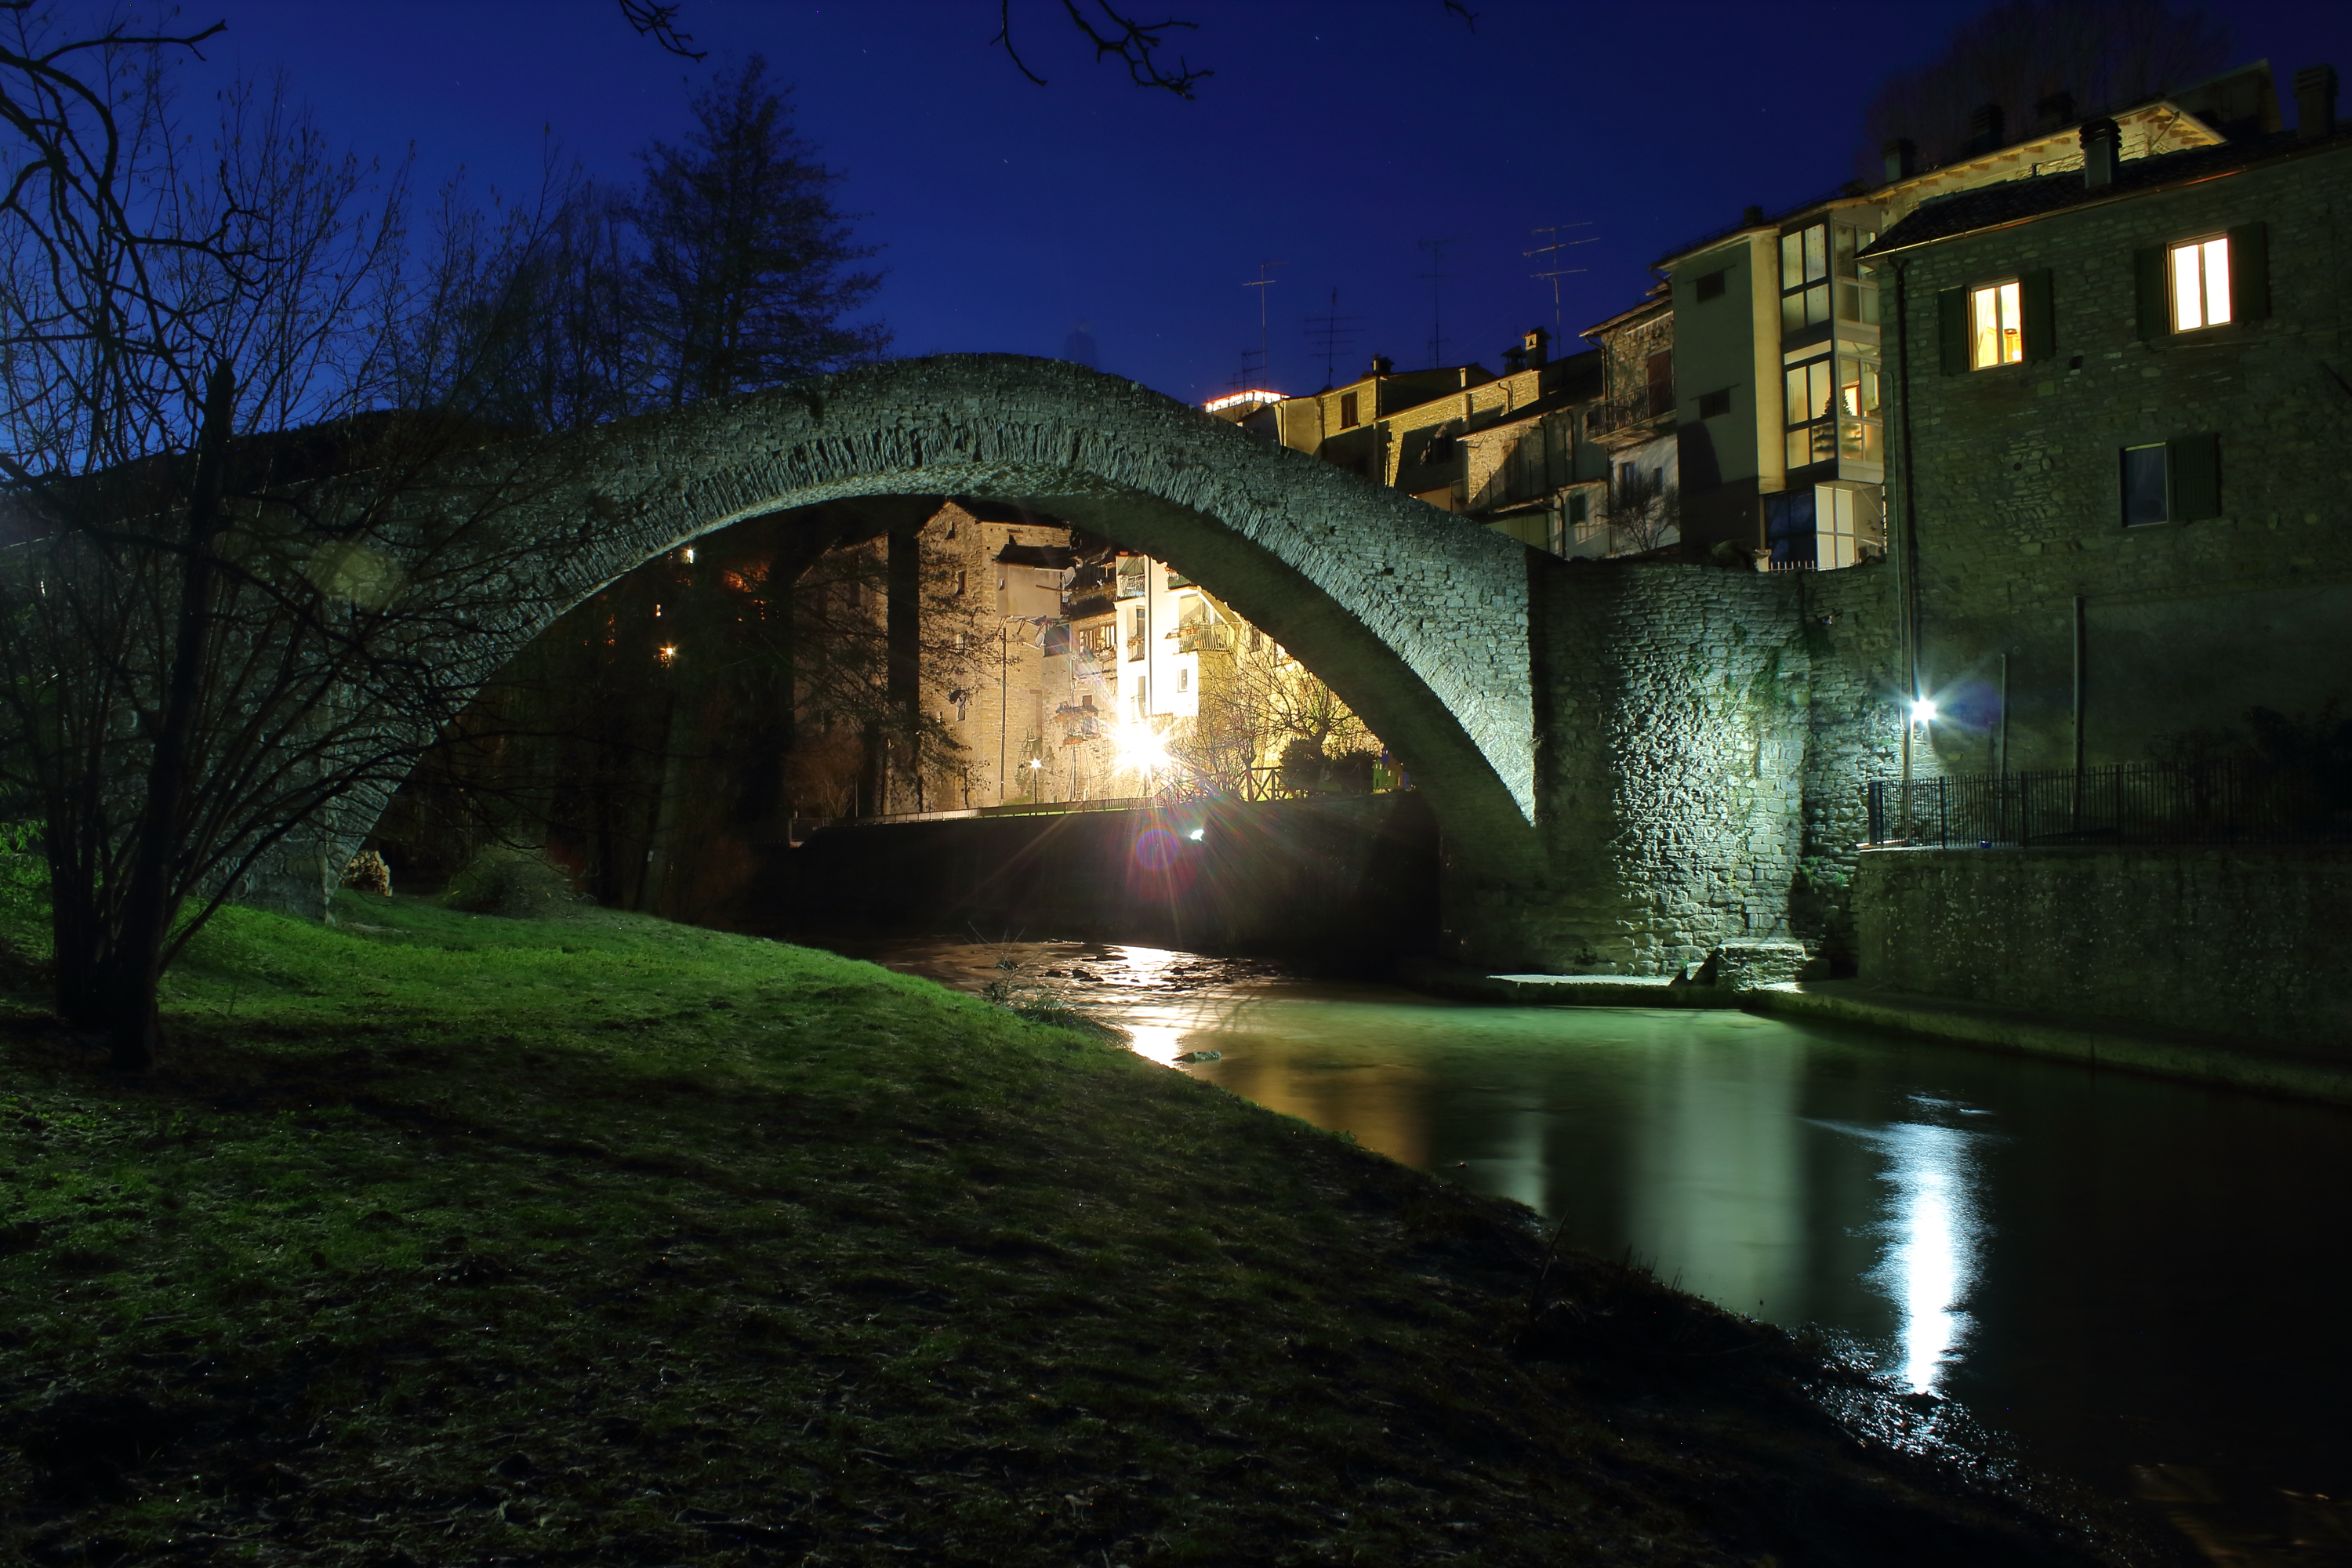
(2022, 201)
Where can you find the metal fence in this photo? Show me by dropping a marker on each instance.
(2232, 801)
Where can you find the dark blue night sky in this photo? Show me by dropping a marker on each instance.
(1339, 136)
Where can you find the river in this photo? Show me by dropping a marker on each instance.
(2139, 1282)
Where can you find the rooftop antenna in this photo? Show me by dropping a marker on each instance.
(1329, 332)
(1262, 282)
(1438, 278)
(1551, 251)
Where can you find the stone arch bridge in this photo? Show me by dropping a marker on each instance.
(1470, 655)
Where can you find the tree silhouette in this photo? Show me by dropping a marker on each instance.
(745, 277)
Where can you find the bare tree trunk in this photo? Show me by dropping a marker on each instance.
(148, 904)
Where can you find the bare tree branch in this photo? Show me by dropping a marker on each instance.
(660, 23)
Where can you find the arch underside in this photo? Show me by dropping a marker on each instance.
(1417, 618)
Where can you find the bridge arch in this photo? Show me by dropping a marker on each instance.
(1416, 618)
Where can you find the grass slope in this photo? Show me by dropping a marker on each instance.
(453, 1239)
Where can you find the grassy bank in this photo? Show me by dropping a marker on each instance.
(451, 1239)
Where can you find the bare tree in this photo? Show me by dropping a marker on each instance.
(1260, 707)
(1136, 45)
(1644, 511)
(2103, 54)
(219, 620)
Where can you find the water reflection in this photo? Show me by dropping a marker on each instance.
(1716, 1191)
(1932, 1232)
(2125, 1274)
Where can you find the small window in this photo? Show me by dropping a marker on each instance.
(959, 585)
(1996, 325)
(1660, 371)
(2199, 270)
(1184, 680)
(1579, 510)
(2177, 481)
(1714, 404)
(1348, 420)
(1711, 286)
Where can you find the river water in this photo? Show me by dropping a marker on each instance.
(2139, 1282)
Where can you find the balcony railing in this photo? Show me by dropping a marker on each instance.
(2224, 801)
(1204, 639)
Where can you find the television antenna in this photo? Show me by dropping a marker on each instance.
(1262, 282)
(1551, 251)
(1329, 333)
(1438, 278)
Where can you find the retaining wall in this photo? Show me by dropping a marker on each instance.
(2248, 943)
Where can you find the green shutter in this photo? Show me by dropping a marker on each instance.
(2196, 462)
(2040, 324)
(2154, 310)
(2250, 272)
(1952, 329)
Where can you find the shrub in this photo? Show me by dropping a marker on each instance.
(517, 883)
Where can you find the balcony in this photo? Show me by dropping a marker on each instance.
(1623, 422)
(1204, 639)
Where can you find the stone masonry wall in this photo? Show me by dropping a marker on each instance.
(1704, 738)
(2015, 478)
(2243, 942)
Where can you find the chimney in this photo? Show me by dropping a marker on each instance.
(2054, 113)
(1537, 345)
(1901, 159)
(2314, 102)
(1515, 360)
(1988, 129)
(1752, 217)
(1384, 365)
(2100, 139)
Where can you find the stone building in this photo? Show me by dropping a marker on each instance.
(2120, 426)
(1512, 451)
(1777, 385)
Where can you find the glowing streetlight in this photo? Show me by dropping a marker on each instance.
(1923, 712)
(1140, 747)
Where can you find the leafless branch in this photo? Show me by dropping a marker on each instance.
(1136, 45)
(660, 23)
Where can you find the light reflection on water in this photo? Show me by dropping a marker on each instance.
(2120, 1271)
(1931, 1231)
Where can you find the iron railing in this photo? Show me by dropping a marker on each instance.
(2224, 801)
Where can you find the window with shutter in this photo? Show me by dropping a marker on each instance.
(2040, 318)
(2198, 271)
(1952, 329)
(1996, 325)
(2250, 271)
(2150, 295)
(2177, 481)
(2195, 463)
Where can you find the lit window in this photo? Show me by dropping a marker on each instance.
(1811, 438)
(1804, 277)
(2200, 284)
(1996, 325)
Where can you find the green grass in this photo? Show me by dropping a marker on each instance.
(443, 1239)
